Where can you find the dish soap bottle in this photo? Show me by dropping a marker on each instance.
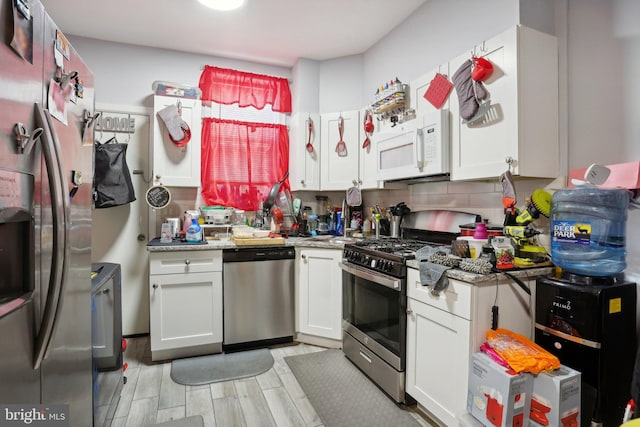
(193, 232)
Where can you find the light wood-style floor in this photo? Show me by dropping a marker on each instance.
(270, 399)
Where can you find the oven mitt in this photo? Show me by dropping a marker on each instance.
(174, 123)
(470, 92)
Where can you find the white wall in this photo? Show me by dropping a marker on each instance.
(438, 31)
(124, 73)
(340, 84)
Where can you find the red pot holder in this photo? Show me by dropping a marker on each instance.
(438, 90)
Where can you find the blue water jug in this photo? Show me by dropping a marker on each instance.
(193, 233)
(588, 229)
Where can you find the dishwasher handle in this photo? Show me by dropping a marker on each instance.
(258, 254)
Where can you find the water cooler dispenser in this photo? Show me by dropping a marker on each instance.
(589, 323)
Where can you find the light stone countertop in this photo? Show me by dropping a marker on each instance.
(465, 276)
(324, 242)
(330, 242)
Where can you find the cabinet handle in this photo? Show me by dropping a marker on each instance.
(186, 261)
(409, 311)
(154, 286)
(304, 257)
(360, 181)
(302, 182)
(105, 291)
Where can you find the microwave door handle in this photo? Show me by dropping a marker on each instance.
(59, 244)
(419, 145)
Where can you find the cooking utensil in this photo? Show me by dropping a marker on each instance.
(310, 130)
(341, 147)
(296, 206)
(278, 216)
(368, 128)
(482, 69)
(273, 193)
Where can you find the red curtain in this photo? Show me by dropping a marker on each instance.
(241, 161)
(226, 86)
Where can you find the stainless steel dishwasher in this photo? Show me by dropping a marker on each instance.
(258, 296)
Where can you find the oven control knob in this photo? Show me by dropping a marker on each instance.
(373, 263)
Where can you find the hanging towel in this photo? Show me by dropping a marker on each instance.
(431, 273)
(111, 179)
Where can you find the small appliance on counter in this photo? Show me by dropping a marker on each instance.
(589, 323)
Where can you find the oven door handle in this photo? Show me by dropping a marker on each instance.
(376, 278)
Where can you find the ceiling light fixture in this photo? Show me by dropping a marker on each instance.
(222, 4)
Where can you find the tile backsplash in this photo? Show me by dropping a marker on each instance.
(480, 198)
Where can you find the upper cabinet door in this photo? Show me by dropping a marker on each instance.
(520, 125)
(172, 165)
(420, 86)
(304, 164)
(339, 172)
(368, 174)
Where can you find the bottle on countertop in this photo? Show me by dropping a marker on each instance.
(194, 232)
(366, 227)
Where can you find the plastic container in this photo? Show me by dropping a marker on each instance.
(481, 231)
(312, 223)
(475, 245)
(194, 232)
(588, 229)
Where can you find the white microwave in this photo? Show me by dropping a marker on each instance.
(416, 148)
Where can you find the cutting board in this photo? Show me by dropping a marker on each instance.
(258, 241)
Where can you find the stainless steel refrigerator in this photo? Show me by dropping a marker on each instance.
(46, 170)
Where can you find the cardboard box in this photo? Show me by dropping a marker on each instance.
(555, 401)
(498, 397)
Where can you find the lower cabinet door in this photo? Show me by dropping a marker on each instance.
(438, 348)
(185, 310)
(320, 293)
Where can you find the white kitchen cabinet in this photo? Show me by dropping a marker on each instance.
(419, 87)
(304, 166)
(172, 165)
(185, 303)
(443, 331)
(521, 125)
(358, 167)
(319, 296)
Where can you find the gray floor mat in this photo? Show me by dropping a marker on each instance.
(342, 395)
(221, 367)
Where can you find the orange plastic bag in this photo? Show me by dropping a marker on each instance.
(522, 354)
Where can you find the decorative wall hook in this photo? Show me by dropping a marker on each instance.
(89, 121)
(24, 140)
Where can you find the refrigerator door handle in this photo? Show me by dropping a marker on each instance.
(59, 259)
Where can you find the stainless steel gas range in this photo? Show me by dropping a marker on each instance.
(374, 295)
